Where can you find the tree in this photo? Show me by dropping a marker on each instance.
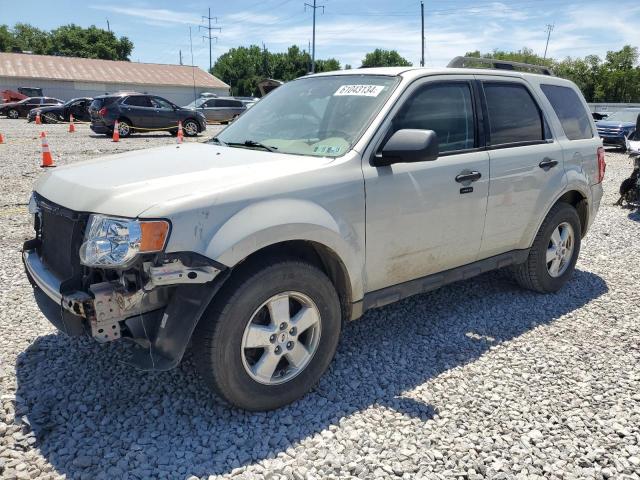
(384, 58)
(243, 67)
(68, 40)
(6, 39)
(614, 79)
(75, 41)
(31, 39)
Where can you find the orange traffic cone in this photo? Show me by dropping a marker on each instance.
(38, 121)
(180, 134)
(116, 132)
(47, 159)
(72, 127)
(1, 139)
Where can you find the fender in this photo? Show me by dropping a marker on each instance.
(274, 221)
(573, 181)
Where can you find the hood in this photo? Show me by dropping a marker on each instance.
(10, 104)
(614, 123)
(129, 183)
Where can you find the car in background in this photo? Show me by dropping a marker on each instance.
(220, 109)
(23, 107)
(78, 107)
(599, 115)
(617, 127)
(248, 101)
(9, 96)
(142, 112)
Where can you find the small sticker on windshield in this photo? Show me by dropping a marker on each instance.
(359, 90)
(327, 149)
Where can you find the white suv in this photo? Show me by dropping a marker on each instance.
(336, 193)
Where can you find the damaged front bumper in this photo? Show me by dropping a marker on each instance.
(160, 317)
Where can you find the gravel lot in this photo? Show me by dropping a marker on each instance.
(478, 379)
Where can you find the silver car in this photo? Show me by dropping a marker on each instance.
(220, 109)
(335, 194)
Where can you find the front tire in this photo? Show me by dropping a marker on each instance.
(269, 335)
(553, 256)
(124, 128)
(190, 128)
(13, 114)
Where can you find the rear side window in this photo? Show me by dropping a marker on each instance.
(575, 120)
(514, 116)
(445, 108)
(227, 103)
(138, 101)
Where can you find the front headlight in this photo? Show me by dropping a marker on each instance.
(111, 242)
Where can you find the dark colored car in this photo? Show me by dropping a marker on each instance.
(142, 112)
(79, 107)
(617, 127)
(23, 107)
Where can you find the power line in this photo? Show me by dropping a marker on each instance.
(313, 51)
(208, 36)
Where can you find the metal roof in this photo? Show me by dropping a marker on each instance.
(104, 71)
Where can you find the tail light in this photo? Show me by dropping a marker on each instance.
(102, 111)
(602, 165)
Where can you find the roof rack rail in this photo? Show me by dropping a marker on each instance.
(472, 62)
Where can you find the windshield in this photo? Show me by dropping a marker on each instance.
(624, 116)
(197, 103)
(317, 116)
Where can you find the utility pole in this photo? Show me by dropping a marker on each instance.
(208, 36)
(422, 14)
(180, 56)
(108, 26)
(550, 27)
(193, 68)
(313, 50)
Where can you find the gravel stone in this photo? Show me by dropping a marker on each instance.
(479, 379)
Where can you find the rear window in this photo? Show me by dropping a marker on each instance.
(575, 120)
(98, 103)
(514, 117)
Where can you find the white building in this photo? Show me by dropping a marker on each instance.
(70, 77)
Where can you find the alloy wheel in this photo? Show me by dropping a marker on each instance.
(560, 249)
(281, 338)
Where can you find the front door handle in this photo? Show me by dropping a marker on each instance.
(468, 176)
(547, 163)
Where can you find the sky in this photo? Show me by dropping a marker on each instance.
(347, 30)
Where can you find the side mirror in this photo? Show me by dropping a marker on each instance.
(408, 146)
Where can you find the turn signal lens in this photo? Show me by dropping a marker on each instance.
(154, 235)
(602, 164)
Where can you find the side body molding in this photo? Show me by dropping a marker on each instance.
(274, 221)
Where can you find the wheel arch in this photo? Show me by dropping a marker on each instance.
(575, 196)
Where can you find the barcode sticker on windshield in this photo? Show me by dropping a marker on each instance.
(359, 90)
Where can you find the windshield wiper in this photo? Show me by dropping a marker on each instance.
(252, 143)
(218, 141)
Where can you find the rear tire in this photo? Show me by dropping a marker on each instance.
(247, 347)
(124, 128)
(554, 253)
(13, 114)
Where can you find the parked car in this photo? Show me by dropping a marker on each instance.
(142, 112)
(219, 109)
(599, 115)
(252, 246)
(23, 107)
(78, 107)
(22, 93)
(617, 127)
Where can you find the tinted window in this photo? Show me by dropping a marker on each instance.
(575, 120)
(34, 101)
(513, 114)
(161, 103)
(227, 103)
(138, 101)
(446, 109)
(50, 100)
(209, 104)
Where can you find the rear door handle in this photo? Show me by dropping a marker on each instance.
(547, 163)
(468, 176)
